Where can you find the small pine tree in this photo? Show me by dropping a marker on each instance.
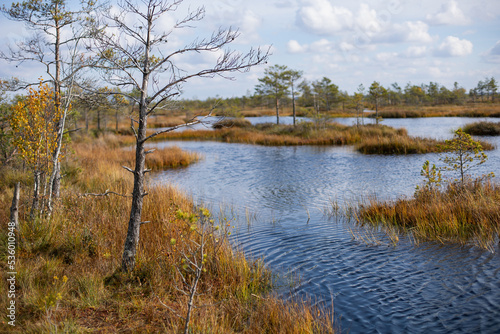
(432, 177)
(466, 153)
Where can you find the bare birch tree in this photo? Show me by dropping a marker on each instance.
(134, 54)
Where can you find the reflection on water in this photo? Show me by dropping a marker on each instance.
(375, 288)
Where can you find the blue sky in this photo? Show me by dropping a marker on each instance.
(351, 43)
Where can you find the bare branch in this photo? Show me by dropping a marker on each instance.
(192, 122)
(169, 308)
(72, 130)
(128, 169)
(106, 193)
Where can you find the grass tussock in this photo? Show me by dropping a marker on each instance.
(368, 139)
(67, 277)
(232, 122)
(399, 144)
(464, 214)
(482, 129)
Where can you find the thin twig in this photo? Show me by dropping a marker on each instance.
(106, 193)
(169, 308)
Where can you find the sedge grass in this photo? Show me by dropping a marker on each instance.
(483, 128)
(468, 214)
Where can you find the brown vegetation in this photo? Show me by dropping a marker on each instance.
(466, 110)
(483, 129)
(369, 139)
(463, 214)
(302, 134)
(232, 122)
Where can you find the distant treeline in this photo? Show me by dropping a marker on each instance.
(102, 111)
(323, 95)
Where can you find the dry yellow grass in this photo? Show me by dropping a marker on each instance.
(302, 134)
(469, 214)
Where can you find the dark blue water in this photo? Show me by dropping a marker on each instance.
(280, 196)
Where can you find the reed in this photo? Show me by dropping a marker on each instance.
(466, 214)
(68, 280)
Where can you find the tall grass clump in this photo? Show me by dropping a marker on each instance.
(398, 145)
(463, 214)
(68, 266)
(232, 122)
(483, 129)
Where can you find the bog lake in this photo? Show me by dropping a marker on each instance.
(279, 198)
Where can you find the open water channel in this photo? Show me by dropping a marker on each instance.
(280, 195)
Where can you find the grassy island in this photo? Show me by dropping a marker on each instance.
(68, 277)
(465, 215)
(483, 129)
(447, 110)
(463, 210)
(368, 139)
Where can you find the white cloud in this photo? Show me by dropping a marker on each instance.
(406, 32)
(386, 56)
(454, 47)
(493, 54)
(435, 71)
(248, 24)
(449, 14)
(320, 46)
(322, 18)
(283, 4)
(415, 52)
(247, 21)
(346, 47)
(295, 47)
(364, 30)
(417, 32)
(367, 21)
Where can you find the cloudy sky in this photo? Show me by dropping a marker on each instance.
(351, 42)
